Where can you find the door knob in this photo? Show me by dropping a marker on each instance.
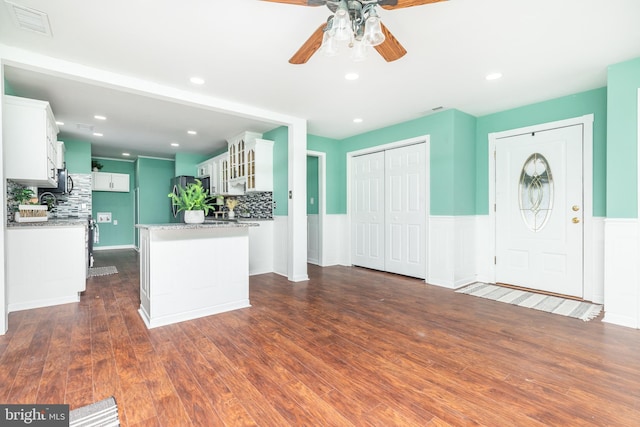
(575, 220)
(575, 208)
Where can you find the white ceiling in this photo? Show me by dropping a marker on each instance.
(544, 49)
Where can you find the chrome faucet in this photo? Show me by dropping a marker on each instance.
(49, 203)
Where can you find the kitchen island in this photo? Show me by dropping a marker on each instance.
(192, 270)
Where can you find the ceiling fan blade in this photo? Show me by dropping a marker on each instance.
(399, 4)
(390, 49)
(309, 47)
(301, 2)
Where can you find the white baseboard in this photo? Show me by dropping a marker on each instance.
(109, 248)
(27, 305)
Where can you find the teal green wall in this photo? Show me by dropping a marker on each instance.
(590, 102)
(464, 164)
(8, 89)
(280, 138)
(119, 204)
(312, 185)
(186, 163)
(77, 155)
(153, 177)
(622, 139)
(334, 174)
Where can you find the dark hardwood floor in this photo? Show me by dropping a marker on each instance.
(349, 347)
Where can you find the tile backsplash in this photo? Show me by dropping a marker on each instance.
(257, 205)
(76, 204)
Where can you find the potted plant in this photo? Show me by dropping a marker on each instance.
(194, 200)
(28, 209)
(96, 165)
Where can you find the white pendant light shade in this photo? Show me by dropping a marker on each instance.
(359, 51)
(373, 35)
(329, 45)
(342, 23)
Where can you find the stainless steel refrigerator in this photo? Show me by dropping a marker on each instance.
(179, 182)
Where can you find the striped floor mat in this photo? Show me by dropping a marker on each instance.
(552, 304)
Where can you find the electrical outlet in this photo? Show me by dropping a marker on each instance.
(104, 216)
(115, 222)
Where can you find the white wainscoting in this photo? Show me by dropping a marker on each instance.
(621, 278)
(485, 251)
(594, 261)
(451, 251)
(261, 248)
(337, 240)
(279, 248)
(313, 239)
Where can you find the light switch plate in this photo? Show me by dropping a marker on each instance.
(104, 217)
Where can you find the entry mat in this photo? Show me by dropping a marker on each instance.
(100, 414)
(102, 271)
(552, 304)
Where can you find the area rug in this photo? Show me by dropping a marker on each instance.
(100, 414)
(549, 303)
(102, 271)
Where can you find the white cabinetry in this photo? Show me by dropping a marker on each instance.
(250, 164)
(259, 165)
(204, 169)
(105, 181)
(30, 142)
(60, 275)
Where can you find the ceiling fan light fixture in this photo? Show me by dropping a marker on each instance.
(373, 35)
(359, 51)
(342, 23)
(329, 44)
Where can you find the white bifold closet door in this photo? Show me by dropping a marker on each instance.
(388, 210)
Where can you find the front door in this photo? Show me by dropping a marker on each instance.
(539, 201)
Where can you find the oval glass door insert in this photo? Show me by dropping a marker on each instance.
(535, 192)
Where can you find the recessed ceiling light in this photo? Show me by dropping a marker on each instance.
(351, 76)
(357, 120)
(97, 134)
(60, 123)
(99, 117)
(197, 80)
(126, 154)
(175, 144)
(192, 132)
(493, 76)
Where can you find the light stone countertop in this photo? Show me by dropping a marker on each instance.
(51, 222)
(205, 225)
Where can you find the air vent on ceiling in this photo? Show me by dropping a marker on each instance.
(30, 19)
(85, 127)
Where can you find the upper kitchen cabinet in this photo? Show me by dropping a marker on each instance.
(250, 166)
(30, 142)
(106, 181)
(259, 165)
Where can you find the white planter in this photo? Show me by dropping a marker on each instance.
(231, 214)
(194, 217)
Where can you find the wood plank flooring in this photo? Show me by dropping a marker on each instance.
(348, 347)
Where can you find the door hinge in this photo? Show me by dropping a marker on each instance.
(494, 208)
(495, 260)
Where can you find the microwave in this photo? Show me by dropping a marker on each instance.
(65, 183)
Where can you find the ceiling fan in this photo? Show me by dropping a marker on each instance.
(355, 21)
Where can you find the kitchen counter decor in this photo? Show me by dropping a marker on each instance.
(194, 200)
(31, 213)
